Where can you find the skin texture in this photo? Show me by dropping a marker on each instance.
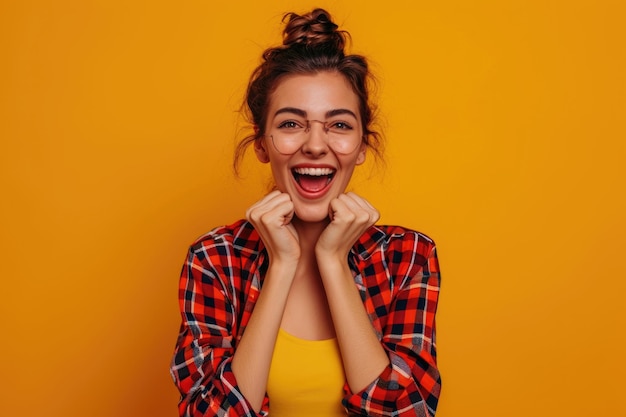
(309, 289)
(316, 95)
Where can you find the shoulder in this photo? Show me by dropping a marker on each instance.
(238, 239)
(396, 239)
(400, 251)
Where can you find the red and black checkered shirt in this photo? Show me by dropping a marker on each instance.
(397, 273)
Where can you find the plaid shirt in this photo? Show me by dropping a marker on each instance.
(397, 274)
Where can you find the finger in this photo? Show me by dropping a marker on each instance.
(267, 204)
(340, 210)
(265, 199)
(374, 213)
(352, 201)
(364, 212)
(281, 213)
(274, 213)
(356, 204)
(359, 200)
(285, 212)
(259, 203)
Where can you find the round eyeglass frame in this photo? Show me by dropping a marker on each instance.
(306, 131)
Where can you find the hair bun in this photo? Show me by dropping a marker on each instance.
(313, 29)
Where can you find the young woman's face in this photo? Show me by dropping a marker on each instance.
(313, 165)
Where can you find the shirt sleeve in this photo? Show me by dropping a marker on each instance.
(411, 384)
(201, 365)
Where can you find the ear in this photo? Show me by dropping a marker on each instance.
(260, 149)
(361, 156)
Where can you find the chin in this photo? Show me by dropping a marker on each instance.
(312, 213)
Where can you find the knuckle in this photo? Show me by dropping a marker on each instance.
(266, 218)
(350, 217)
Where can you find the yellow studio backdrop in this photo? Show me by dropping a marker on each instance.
(505, 124)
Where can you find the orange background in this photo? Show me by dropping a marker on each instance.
(506, 128)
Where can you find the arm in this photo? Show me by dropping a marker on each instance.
(362, 354)
(411, 384)
(385, 334)
(201, 366)
(253, 357)
(271, 217)
(213, 375)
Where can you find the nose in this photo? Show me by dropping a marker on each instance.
(317, 141)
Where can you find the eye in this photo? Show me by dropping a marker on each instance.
(290, 124)
(339, 126)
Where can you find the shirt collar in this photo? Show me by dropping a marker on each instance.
(367, 243)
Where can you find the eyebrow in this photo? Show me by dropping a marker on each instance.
(294, 110)
(302, 113)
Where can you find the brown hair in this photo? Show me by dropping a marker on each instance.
(311, 44)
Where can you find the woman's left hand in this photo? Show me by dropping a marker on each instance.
(350, 216)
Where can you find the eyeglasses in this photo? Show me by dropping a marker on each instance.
(290, 135)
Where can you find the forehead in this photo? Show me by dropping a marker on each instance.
(316, 94)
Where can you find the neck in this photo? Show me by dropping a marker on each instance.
(309, 233)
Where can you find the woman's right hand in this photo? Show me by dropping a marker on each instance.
(271, 217)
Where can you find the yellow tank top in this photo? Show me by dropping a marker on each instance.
(306, 378)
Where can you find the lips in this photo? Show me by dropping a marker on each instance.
(313, 179)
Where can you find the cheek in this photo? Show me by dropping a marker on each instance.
(280, 172)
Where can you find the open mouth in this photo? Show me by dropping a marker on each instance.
(313, 180)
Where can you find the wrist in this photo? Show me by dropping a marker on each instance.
(283, 267)
(324, 256)
(331, 262)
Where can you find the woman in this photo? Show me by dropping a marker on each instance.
(307, 308)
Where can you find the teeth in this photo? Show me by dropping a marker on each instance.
(315, 172)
